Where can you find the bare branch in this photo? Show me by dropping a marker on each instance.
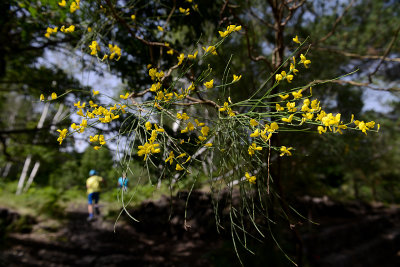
(353, 55)
(266, 23)
(359, 84)
(336, 23)
(129, 29)
(292, 9)
(390, 46)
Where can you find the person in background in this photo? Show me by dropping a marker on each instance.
(93, 185)
(123, 182)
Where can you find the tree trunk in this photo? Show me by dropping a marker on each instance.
(32, 176)
(23, 174)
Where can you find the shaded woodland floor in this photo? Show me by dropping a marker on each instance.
(347, 235)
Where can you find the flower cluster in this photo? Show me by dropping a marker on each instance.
(150, 147)
(229, 30)
(292, 108)
(50, 31)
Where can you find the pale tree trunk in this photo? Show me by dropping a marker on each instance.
(55, 120)
(7, 169)
(32, 176)
(29, 157)
(23, 174)
(11, 120)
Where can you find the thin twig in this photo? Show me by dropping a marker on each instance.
(387, 51)
(337, 21)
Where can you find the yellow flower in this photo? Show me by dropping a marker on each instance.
(283, 97)
(181, 58)
(74, 6)
(200, 124)
(97, 147)
(92, 138)
(193, 56)
(208, 145)
(149, 148)
(159, 130)
(255, 134)
(253, 148)
(279, 108)
(62, 3)
(181, 155)
(95, 92)
(159, 75)
(205, 130)
(297, 94)
(170, 52)
(187, 159)
(184, 11)
(78, 104)
(114, 51)
(53, 96)
(182, 116)
(41, 97)
(253, 122)
(102, 141)
(274, 126)
(289, 119)
(292, 68)
(202, 138)
(94, 47)
(315, 105)
(289, 78)
(264, 136)
(251, 179)
(155, 87)
(104, 57)
(49, 31)
(133, 17)
(161, 29)
(68, 30)
(124, 96)
(321, 129)
(278, 77)
(291, 106)
(304, 60)
(148, 125)
(63, 134)
(170, 157)
(92, 104)
(80, 113)
(236, 78)
(211, 49)
(229, 30)
(209, 84)
(296, 40)
(190, 126)
(178, 167)
(370, 124)
(308, 116)
(286, 151)
(89, 29)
